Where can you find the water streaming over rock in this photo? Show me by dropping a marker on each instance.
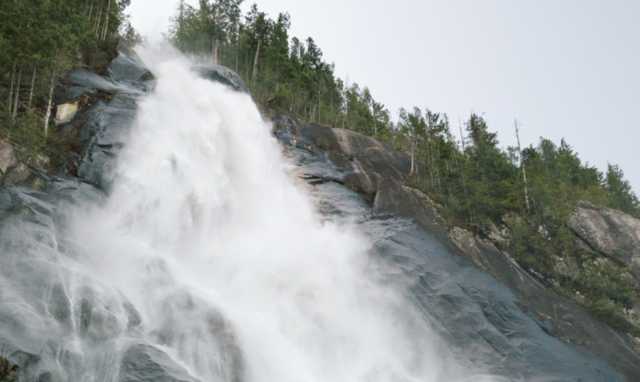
(212, 259)
(227, 262)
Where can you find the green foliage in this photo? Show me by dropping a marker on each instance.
(618, 192)
(39, 42)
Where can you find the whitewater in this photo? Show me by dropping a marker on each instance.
(232, 270)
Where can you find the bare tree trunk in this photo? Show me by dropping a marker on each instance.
(412, 160)
(319, 107)
(375, 124)
(16, 101)
(524, 173)
(33, 82)
(214, 51)
(90, 11)
(461, 137)
(106, 23)
(255, 60)
(97, 25)
(13, 77)
(48, 115)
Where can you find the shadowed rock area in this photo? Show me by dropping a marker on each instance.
(222, 75)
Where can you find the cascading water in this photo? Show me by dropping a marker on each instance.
(222, 255)
(229, 267)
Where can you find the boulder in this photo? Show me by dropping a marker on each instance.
(66, 112)
(124, 68)
(223, 75)
(611, 232)
(8, 157)
(145, 363)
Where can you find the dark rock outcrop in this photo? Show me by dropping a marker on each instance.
(377, 171)
(222, 75)
(611, 232)
(107, 121)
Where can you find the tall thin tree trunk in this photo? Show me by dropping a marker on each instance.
(375, 125)
(13, 77)
(33, 82)
(90, 11)
(255, 60)
(524, 172)
(214, 51)
(48, 115)
(96, 28)
(461, 137)
(16, 101)
(319, 107)
(412, 160)
(106, 23)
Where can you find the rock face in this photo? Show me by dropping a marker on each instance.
(376, 170)
(144, 363)
(8, 157)
(108, 121)
(611, 232)
(222, 75)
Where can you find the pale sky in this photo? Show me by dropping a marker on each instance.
(564, 68)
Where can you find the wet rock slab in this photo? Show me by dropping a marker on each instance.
(144, 363)
(492, 312)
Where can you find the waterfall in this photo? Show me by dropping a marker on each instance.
(227, 262)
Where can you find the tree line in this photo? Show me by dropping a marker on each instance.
(287, 73)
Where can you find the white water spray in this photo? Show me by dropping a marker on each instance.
(227, 262)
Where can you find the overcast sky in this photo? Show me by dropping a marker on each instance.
(564, 68)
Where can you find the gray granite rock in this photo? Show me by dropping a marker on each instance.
(223, 75)
(488, 308)
(8, 157)
(145, 363)
(611, 232)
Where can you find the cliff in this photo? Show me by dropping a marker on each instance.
(379, 177)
